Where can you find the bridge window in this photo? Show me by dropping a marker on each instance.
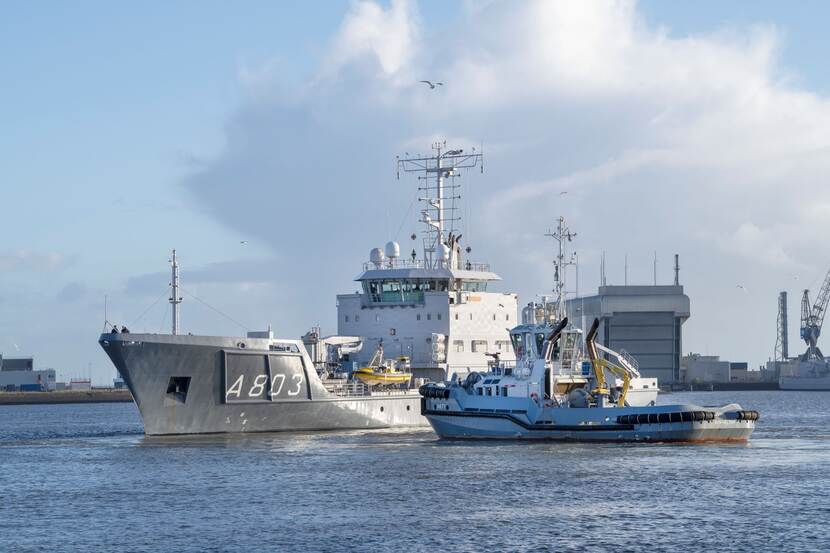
(479, 345)
(347, 318)
(458, 345)
(540, 340)
(418, 317)
(473, 286)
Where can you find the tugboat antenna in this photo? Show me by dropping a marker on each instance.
(562, 234)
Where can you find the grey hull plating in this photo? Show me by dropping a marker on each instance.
(148, 362)
(463, 426)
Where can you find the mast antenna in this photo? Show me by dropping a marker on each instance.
(175, 298)
(439, 214)
(562, 235)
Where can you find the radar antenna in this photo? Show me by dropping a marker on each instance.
(439, 172)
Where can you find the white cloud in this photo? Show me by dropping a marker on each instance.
(26, 260)
(697, 144)
(387, 36)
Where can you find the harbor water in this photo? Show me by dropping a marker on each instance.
(85, 478)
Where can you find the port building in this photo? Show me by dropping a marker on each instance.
(18, 374)
(645, 321)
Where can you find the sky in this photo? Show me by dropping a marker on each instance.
(259, 141)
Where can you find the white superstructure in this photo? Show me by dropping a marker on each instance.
(438, 308)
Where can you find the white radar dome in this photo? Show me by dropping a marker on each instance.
(393, 250)
(376, 256)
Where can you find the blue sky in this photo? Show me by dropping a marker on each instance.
(132, 129)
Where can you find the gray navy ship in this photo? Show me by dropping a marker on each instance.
(435, 311)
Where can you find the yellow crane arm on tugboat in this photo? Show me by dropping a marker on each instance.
(624, 369)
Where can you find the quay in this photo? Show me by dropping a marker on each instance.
(104, 395)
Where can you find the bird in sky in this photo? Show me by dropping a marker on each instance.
(563, 192)
(431, 84)
(243, 242)
(742, 287)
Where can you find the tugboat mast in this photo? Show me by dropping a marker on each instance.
(562, 235)
(175, 299)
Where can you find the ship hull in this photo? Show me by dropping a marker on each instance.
(198, 385)
(462, 426)
(805, 383)
(811, 375)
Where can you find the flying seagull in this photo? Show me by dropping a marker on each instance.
(742, 287)
(431, 84)
(243, 242)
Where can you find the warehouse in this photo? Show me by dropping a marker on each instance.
(645, 321)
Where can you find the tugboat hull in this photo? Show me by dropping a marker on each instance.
(670, 423)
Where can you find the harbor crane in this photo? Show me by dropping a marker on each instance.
(813, 318)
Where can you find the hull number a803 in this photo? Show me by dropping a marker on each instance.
(253, 378)
(239, 390)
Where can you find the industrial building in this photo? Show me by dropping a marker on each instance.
(698, 369)
(18, 374)
(645, 321)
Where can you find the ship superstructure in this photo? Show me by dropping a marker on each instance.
(438, 307)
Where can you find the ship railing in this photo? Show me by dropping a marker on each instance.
(630, 358)
(402, 263)
(359, 389)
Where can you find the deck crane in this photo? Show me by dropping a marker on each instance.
(813, 318)
(625, 367)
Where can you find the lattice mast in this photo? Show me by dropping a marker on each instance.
(781, 346)
(562, 235)
(175, 298)
(440, 190)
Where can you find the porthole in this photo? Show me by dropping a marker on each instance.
(408, 407)
(381, 408)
